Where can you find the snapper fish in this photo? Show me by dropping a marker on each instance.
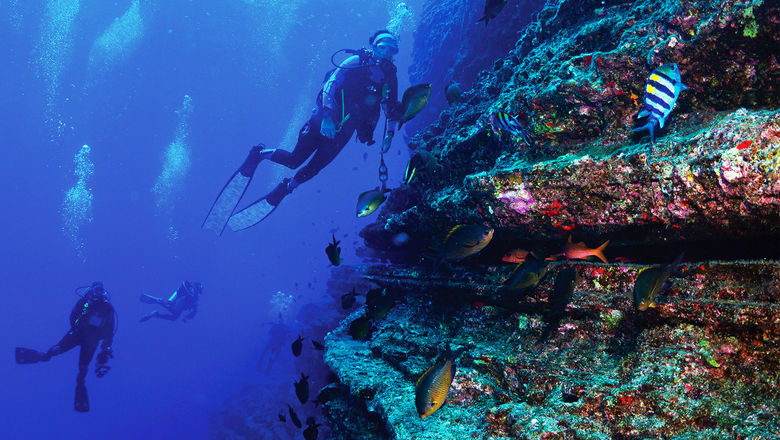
(662, 89)
(503, 121)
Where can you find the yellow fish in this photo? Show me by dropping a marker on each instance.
(432, 387)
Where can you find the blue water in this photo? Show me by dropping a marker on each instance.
(120, 123)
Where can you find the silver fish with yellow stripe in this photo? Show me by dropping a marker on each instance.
(662, 89)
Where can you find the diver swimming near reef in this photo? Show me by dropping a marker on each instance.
(91, 320)
(348, 103)
(183, 298)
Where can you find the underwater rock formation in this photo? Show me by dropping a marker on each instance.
(576, 79)
(449, 45)
(702, 365)
(704, 362)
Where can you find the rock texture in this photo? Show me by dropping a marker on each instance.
(576, 79)
(702, 365)
(449, 45)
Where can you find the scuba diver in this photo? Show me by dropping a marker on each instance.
(91, 320)
(348, 102)
(184, 298)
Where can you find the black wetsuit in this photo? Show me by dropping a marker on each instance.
(358, 88)
(90, 322)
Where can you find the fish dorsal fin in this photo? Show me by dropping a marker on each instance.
(424, 375)
(452, 231)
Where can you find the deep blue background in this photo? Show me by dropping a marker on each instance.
(252, 70)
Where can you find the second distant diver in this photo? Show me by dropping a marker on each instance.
(91, 320)
(349, 102)
(184, 298)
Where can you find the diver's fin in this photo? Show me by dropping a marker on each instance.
(148, 299)
(232, 192)
(251, 215)
(81, 400)
(28, 356)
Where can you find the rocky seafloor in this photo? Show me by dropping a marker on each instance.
(704, 363)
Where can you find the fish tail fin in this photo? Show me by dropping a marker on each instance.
(599, 252)
(676, 262)
(649, 126)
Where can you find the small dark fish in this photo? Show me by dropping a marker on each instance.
(311, 432)
(421, 159)
(502, 121)
(561, 295)
(294, 417)
(369, 201)
(297, 346)
(662, 89)
(650, 283)
(348, 299)
(328, 393)
(302, 388)
(413, 101)
(333, 251)
(317, 345)
(378, 303)
(359, 328)
(432, 387)
(465, 240)
(492, 9)
(281, 416)
(526, 276)
(452, 93)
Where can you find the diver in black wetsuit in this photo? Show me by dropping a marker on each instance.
(91, 320)
(184, 298)
(349, 102)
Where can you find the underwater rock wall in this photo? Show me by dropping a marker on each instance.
(576, 80)
(702, 366)
(449, 45)
(703, 363)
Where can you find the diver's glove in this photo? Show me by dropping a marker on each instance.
(387, 141)
(328, 127)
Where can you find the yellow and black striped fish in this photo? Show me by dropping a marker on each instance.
(432, 387)
(661, 92)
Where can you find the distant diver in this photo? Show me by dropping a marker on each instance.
(184, 298)
(349, 102)
(91, 320)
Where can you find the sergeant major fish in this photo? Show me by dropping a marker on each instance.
(662, 89)
(502, 121)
